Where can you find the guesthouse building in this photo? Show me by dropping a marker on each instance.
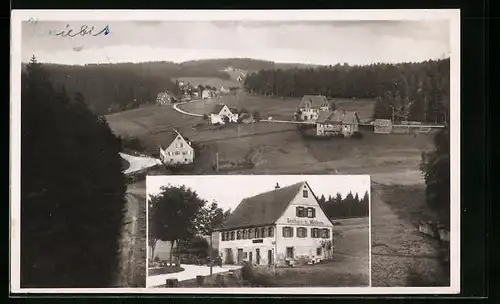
(311, 106)
(222, 113)
(278, 227)
(337, 122)
(178, 151)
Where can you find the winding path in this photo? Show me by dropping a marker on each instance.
(176, 107)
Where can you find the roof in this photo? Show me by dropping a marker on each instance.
(263, 209)
(169, 136)
(337, 116)
(219, 107)
(316, 100)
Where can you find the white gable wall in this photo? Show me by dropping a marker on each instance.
(302, 246)
(178, 152)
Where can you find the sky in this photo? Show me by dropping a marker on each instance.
(229, 191)
(312, 42)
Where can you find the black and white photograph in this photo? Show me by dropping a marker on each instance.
(258, 231)
(104, 101)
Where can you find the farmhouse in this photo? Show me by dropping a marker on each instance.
(223, 113)
(337, 122)
(178, 151)
(164, 98)
(311, 105)
(383, 126)
(276, 228)
(224, 89)
(206, 94)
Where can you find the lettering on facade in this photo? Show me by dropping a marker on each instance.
(304, 222)
(257, 241)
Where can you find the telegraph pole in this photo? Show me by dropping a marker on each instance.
(216, 161)
(211, 253)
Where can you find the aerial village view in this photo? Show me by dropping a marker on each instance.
(217, 118)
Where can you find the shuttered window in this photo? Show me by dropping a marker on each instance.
(311, 212)
(238, 235)
(287, 232)
(325, 233)
(314, 232)
(300, 212)
(301, 232)
(270, 232)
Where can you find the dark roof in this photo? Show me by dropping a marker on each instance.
(316, 101)
(168, 136)
(219, 107)
(338, 116)
(263, 209)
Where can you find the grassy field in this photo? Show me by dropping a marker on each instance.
(401, 256)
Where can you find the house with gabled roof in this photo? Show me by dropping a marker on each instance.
(311, 105)
(178, 149)
(277, 227)
(337, 122)
(222, 113)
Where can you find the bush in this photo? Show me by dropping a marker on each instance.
(205, 116)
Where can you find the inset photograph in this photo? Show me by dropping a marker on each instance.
(258, 231)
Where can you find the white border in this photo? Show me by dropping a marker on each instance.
(453, 15)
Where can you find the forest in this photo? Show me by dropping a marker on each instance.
(351, 205)
(405, 91)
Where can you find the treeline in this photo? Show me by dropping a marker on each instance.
(416, 91)
(345, 207)
(72, 189)
(109, 88)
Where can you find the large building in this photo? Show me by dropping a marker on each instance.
(337, 122)
(277, 227)
(178, 151)
(311, 105)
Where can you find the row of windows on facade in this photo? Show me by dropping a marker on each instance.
(302, 232)
(178, 153)
(248, 234)
(269, 232)
(305, 211)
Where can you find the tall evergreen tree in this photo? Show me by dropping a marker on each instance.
(72, 189)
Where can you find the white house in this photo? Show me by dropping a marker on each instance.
(222, 112)
(163, 98)
(311, 105)
(178, 151)
(206, 94)
(337, 122)
(276, 227)
(224, 89)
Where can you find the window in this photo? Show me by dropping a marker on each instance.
(177, 153)
(270, 232)
(245, 235)
(245, 255)
(250, 233)
(305, 193)
(314, 232)
(300, 212)
(232, 235)
(325, 233)
(287, 232)
(257, 233)
(319, 251)
(223, 234)
(227, 235)
(238, 235)
(301, 232)
(311, 212)
(263, 232)
(181, 145)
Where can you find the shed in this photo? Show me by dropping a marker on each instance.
(383, 126)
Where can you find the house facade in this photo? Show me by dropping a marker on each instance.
(382, 126)
(178, 151)
(221, 113)
(337, 122)
(224, 89)
(163, 98)
(311, 106)
(206, 94)
(278, 227)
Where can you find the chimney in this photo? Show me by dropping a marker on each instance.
(277, 186)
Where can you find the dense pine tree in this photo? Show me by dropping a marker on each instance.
(72, 189)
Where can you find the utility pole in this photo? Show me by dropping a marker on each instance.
(216, 161)
(211, 253)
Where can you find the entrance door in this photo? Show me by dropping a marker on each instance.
(240, 256)
(289, 252)
(250, 257)
(269, 257)
(257, 254)
(229, 256)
